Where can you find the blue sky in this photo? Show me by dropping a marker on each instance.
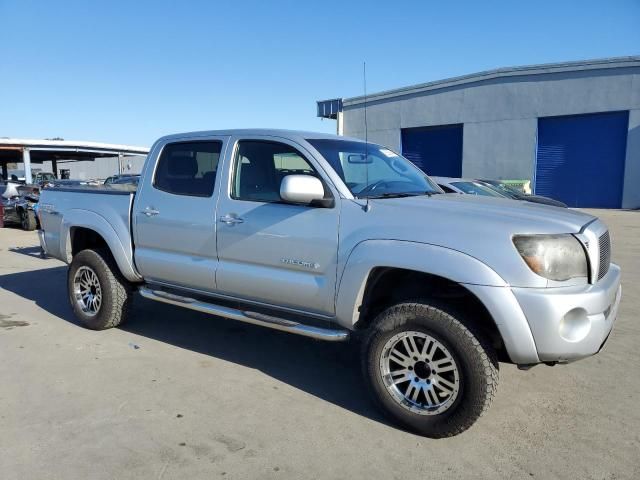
(130, 71)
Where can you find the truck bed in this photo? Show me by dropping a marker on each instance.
(104, 208)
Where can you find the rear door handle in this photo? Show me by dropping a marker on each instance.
(150, 212)
(231, 220)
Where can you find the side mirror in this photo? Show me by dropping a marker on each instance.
(304, 189)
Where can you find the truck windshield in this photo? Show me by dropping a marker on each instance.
(373, 171)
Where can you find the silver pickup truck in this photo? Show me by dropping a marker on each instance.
(334, 238)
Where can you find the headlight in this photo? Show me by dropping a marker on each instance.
(556, 257)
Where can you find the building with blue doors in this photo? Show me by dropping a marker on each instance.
(572, 129)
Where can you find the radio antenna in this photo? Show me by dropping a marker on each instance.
(367, 207)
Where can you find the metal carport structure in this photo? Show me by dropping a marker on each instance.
(30, 151)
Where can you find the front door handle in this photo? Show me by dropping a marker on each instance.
(150, 212)
(231, 220)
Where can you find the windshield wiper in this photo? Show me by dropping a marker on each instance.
(393, 195)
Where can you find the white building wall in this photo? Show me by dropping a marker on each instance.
(506, 148)
(500, 117)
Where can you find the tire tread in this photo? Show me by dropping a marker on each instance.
(118, 309)
(487, 368)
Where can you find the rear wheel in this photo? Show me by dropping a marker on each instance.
(427, 370)
(28, 220)
(100, 296)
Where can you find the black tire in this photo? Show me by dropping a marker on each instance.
(28, 220)
(116, 291)
(476, 375)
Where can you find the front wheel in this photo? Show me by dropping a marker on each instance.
(427, 370)
(100, 296)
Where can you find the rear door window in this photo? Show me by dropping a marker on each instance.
(188, 168)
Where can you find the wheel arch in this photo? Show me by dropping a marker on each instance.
(379, 273)
(83, 229)
(389, 286)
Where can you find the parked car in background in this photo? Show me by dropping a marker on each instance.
(44, 177)
(123, 179)
(515, 194)
(26, 206)
(8, 196)
(466, 186)
(18, 203)
(325, 237)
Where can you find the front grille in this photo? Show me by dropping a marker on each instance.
(604, 247)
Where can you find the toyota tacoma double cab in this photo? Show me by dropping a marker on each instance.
(335, 238)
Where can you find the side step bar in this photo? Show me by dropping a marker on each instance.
(331, 335)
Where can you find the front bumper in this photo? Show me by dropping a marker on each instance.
(573, 322)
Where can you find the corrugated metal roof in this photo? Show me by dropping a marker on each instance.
(597, 64)
(71, 145)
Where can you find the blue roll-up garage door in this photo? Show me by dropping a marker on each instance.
(580, 159)
(436, 150)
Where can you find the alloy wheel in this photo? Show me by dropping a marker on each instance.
(87, 290)
(420, 373)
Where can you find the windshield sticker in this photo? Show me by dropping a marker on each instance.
(388, 153)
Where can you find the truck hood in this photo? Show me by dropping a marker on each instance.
(479, 212)
(481, 227)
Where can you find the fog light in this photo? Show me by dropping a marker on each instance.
(575, 325)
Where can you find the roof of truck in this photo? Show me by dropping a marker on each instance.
(268, 132)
